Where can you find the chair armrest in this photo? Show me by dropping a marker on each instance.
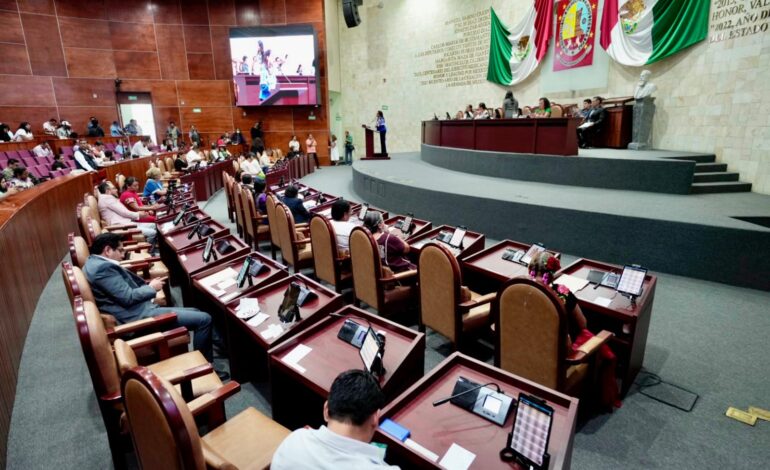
(136, 246)
(190, 374)
(141, 325)
(589, 348)
(159, 341)
(302, 225)
(301, 241)
(473, 303)
(135, 265)
(201, 404)
(402, 276)
(120, 227)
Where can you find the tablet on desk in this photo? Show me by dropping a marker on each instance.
(458, 236)
(632, 280)
(533, 250)
(370, 349)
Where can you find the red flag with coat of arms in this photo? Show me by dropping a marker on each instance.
(575, 33)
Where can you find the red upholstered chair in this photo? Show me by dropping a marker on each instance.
(165, 436)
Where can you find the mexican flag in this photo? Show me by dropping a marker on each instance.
(516, 53)
(638, 32)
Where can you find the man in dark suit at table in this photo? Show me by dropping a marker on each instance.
(128, 297)
(295, 205)
(593, 123)
(352, 413)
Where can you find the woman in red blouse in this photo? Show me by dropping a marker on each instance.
(131, 199)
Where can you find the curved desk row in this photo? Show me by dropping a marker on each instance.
(31, 251)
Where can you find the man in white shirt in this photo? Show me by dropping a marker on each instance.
(342, 224)
(194, 157)
(353, 414)
(140, 148)
(251, 166)
(42, 150)
(113, 212)
(50, 127)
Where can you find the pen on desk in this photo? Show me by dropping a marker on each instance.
(597, 285)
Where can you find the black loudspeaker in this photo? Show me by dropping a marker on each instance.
(350, 10)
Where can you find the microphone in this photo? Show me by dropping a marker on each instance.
(195, 230)
(444, 400)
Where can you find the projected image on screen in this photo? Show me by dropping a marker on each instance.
(274, 66)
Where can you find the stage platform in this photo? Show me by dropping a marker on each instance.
(705, 236)
(657, 171)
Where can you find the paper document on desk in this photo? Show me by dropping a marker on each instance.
(296, 355)
(421, 450)
(258, 319)
(272, 331)
(220, 277)
(247, 308)
(457, 458)
(572, 283)
(585, 125)
(166, 227)
(603, 301)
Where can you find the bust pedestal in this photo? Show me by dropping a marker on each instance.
(644, 112)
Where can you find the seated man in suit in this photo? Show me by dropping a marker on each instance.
(295, 205)
(128, 297)
(352, 413)
(593, 123)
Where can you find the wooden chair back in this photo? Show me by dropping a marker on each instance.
(531, 327)
(79, 250)
(93, 206)
(248, 209)
(96, 349)
(440, 281)
(286, 234)
(70, 283)
(120, 180)
(366, 266)
(238, 208)
(228, 183)
(557, 111)
(162, 427)
(275, 240)
(324, 243)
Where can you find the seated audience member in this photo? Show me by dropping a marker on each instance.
(97, 150)
(469, 112)
(121, 147)
(23, 133)
(544, 109)
(237, 138)
(116, 130)
(84, 160)
(128, 297)
(212, 155)
(459, 115)
(94, 129)
(498, 114)
(252, 167)
(194, 156)
(223, 140)
(542, 268)
(140, 149)
(64, 131)
(5, 189)
(584, 111)
(153, 188)
(342, 224)
(21, 179)
(482, 112)
(393, 250)
(49, 127)
(352, 414)
(131, 199)
(109, 157)
(260, 197)
(223, 153)
(593, 123)
(180, 164)
(113, 212)
(8, 171)
(58, 163)
(5, 133)
(295, 205)
(132, 128)
(42, 150)
(266, 160)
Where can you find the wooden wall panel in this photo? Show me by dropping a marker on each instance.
(204, 93)
(78, 116)
(74, 8)
(208, 120)
(197, 38)
(25, 91)
(130, 64)
(44, 7)
(220, 44)
(132, 36)
(171, 52)
(167, 12)
(81, 32)
(81, 91)
(163, 91)
(133, 11)
(46, 54)
(163, 116)
(89, 63)
(10, 28)
(201, 66)
(195, 12)
(9, 5)
(302, 11)
(13, 115)
(222, 12)
(270, 12)
(15, 60)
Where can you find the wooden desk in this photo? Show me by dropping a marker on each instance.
(616, 132)
(190, 260)
(630, 323)
(248, 347)
(298, 397)
(472, 243)
(419, 225)
(178, 240)
(208, 180)
(162, 221)
(437, 428)
(545, 136)
(486, 270)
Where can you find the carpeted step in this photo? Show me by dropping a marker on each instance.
(703, 158)
(715, 177)
(721, 187)
(710, 167)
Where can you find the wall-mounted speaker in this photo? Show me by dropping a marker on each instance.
(350, 10)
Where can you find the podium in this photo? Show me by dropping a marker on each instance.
(369, 139)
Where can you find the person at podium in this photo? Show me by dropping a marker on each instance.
(382, 129)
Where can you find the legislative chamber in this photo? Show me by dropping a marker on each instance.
(525, 234)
